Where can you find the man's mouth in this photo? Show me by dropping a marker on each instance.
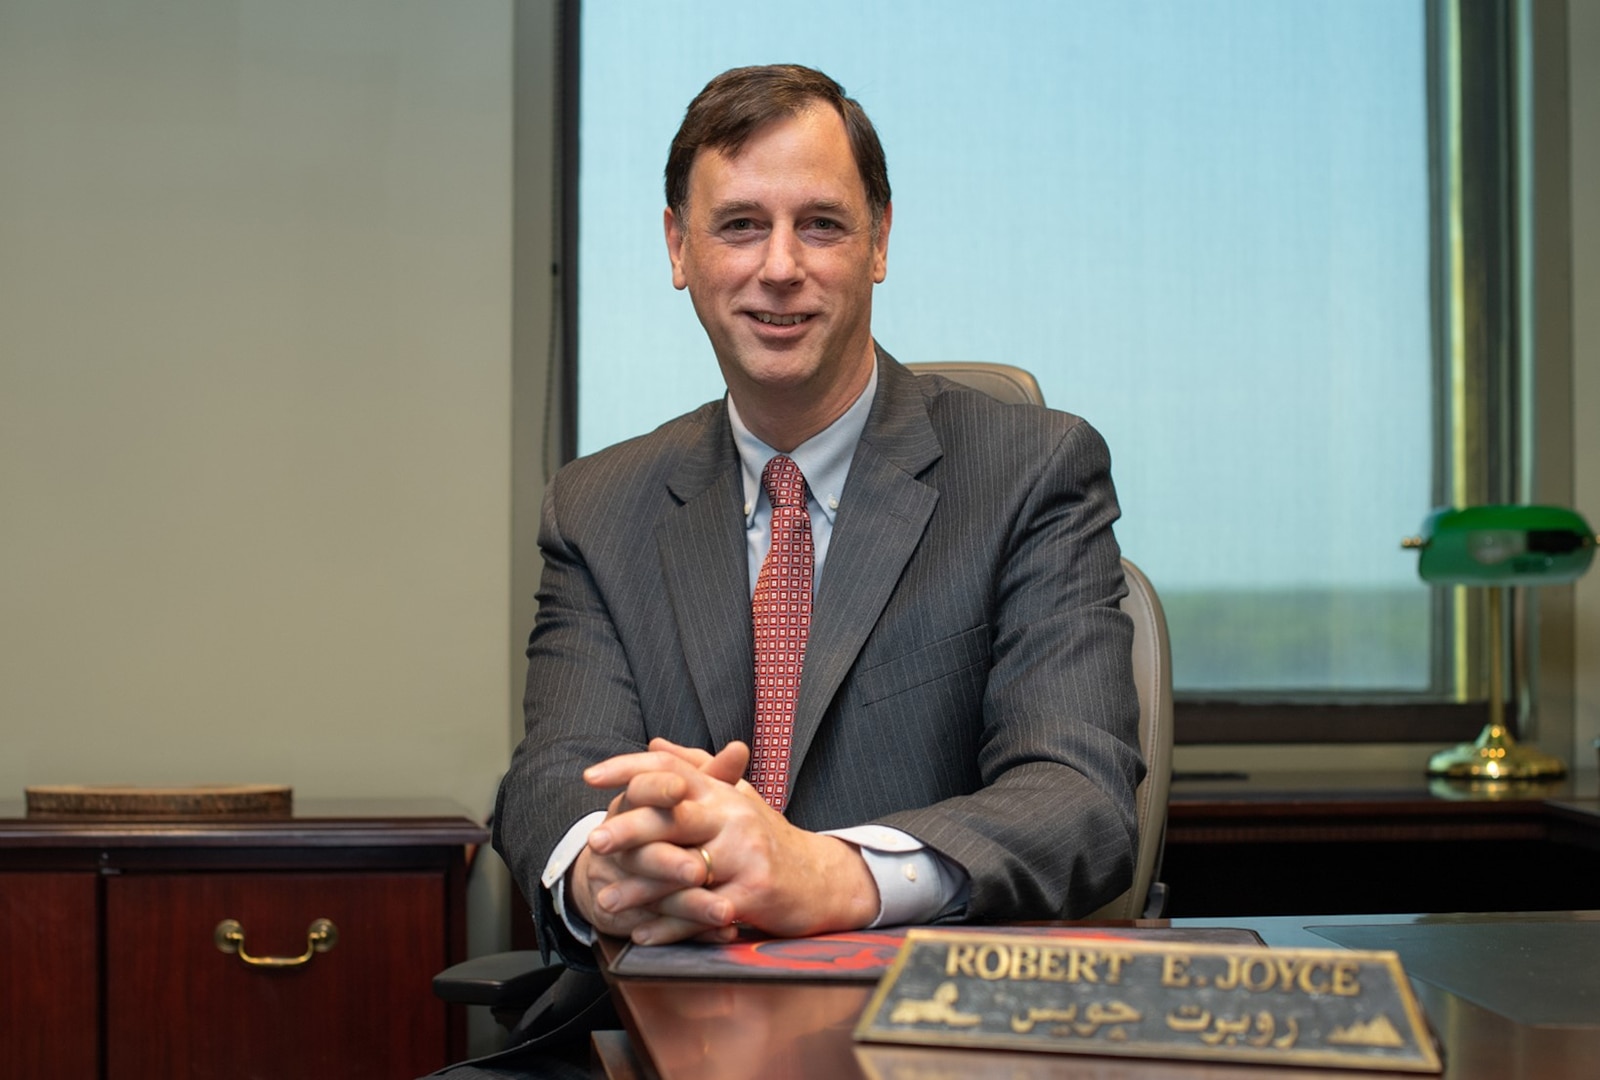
(780, 320)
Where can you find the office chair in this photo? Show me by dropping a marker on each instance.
(1152, 671)
(510, 982)
(1152, 678)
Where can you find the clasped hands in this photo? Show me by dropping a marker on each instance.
(642, 875)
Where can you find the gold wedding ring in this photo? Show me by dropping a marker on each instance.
(711, 877)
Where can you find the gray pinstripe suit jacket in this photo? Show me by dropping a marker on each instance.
(967, 677)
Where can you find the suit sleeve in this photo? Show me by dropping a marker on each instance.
(1051, 831)
(581, 706)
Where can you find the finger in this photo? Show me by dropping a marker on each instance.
(639, 894)
(590, 876)
(729, 764)
(693, 755)
(629, 826)
(665, 929)
(658, 789)
(617, 771)
(687, 824)
(708, 907)
(678, 867)
(623, 923)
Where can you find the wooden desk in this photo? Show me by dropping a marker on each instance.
(109, 968)
(709, 1030)
(1306, 843)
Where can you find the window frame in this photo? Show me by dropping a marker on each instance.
(1481, 382)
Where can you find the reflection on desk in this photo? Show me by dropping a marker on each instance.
(723, 1030)
(1510, 967)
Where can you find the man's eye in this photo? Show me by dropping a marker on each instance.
(740, 225)
(824, 224)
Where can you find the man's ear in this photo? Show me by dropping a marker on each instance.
(880, 246)
(674, 234)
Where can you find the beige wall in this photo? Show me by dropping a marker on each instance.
(254, 317)
(255, 385)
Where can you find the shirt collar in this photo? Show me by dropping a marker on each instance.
(824, 459)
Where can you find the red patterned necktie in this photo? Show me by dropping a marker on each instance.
(781, 612)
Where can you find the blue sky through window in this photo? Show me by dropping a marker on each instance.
(1203, 225)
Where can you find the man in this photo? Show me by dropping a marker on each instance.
(937, 686)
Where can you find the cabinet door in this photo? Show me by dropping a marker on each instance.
(49, 979)
(177, 1006)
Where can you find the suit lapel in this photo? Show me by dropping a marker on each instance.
(884, 510)
(702, 549)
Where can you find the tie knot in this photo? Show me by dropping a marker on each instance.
(784, 483)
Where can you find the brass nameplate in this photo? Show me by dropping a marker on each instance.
(1327, 1007)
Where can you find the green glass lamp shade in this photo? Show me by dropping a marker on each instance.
(1501, 547)
(1504, 545)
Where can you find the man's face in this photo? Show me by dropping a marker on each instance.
(779, 256)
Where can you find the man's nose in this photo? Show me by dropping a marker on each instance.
(785, 256)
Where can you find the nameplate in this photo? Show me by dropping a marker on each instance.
(1320, 1007)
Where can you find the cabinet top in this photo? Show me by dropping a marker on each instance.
(312, 823)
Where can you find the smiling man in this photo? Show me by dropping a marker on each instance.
(779, 245)
(842, 648)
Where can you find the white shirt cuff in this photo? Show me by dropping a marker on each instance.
(554, 877)
(915, 885)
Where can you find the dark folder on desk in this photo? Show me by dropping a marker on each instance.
(857, 956)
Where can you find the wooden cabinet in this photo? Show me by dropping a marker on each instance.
(109, 957)
(1319, 843)
(49, 985)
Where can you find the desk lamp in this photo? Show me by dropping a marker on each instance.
(1500, 547)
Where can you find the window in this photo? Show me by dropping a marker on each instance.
(1212, 229)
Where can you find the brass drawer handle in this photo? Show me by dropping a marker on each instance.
(321, 936)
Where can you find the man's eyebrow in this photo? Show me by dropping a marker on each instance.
(737, 207)
(734, 207)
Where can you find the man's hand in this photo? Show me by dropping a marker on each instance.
(616, 891)
(642, 874)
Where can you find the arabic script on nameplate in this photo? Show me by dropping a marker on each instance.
(1325, 1007)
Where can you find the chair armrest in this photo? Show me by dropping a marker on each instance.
(508, 980)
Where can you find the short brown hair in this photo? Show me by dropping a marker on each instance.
(736, 103)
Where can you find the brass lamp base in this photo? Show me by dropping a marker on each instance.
(1495, 756)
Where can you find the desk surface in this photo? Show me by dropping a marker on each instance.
(1382, 786)
(1330, 806)
(327, 834)
(721, 1030)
